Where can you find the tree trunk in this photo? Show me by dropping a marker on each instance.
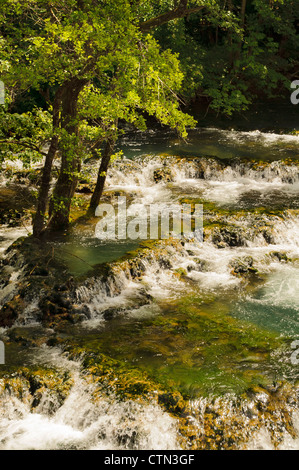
(70, 157)
(243, 12)
(43, 196)
(97, 194)
(243, 21)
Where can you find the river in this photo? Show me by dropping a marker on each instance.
(213, 321)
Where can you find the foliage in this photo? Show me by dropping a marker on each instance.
(231, 65)
(46, 44)
(73, 70)
(24, 135)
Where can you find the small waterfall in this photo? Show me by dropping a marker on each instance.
(244, 244)
(87, 419)
(81, 424)
(253, 423)
(144, 172)
(154, 179)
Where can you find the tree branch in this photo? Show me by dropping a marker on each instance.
(23, 144)
(180, 12)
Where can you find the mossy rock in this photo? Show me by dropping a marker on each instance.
(30, 385)
(243, 266)
(231, 236)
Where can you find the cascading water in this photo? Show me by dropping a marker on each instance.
(84, 421)
(206, 317)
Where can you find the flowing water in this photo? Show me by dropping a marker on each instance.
(215, 319)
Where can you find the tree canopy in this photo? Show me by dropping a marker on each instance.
(74, 69)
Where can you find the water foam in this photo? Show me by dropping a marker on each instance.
(88, 419)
